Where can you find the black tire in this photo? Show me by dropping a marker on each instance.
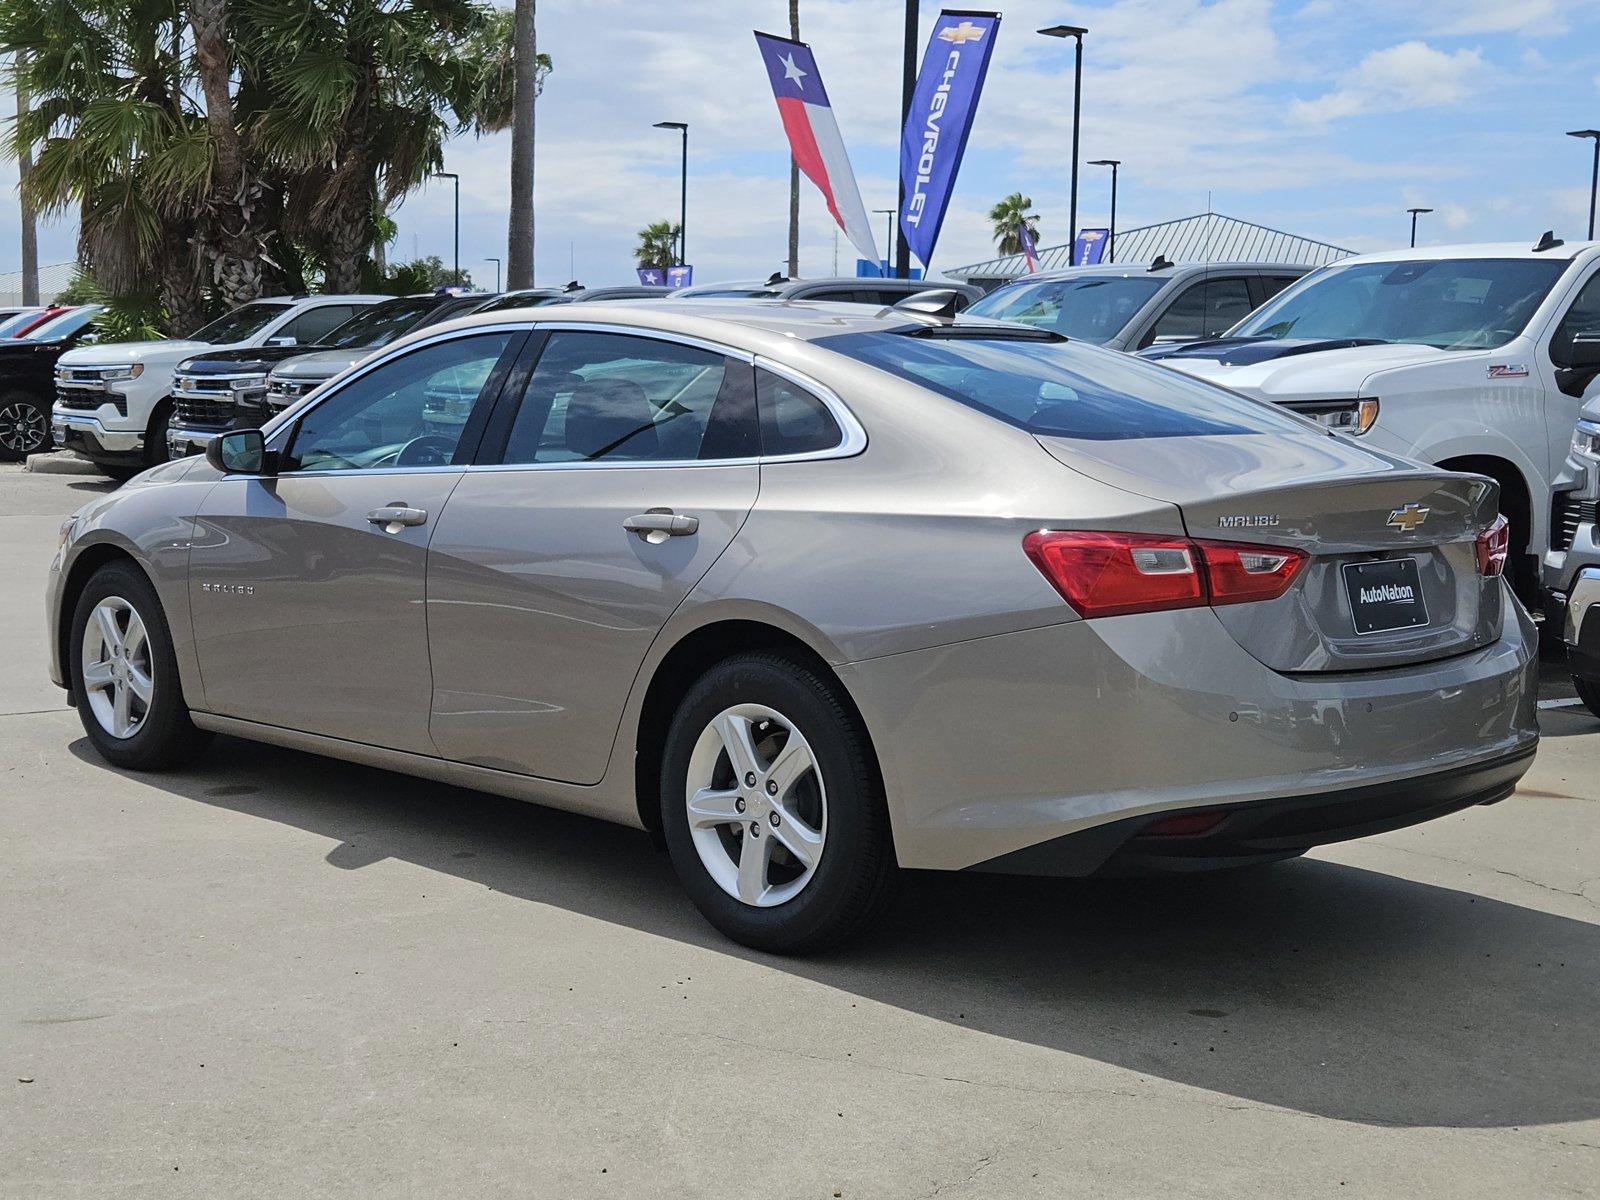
(1589, 692)
(166, 737)
(854, 876)
(24, 426)
(155, 437)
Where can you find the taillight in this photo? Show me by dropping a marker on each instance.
(1112, 574)
(1493, 545)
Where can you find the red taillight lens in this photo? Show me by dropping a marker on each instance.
(1109, 574)
(1493, 545)
(1112, 574)
(1239, 574)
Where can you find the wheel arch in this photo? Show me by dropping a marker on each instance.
(1516, 503)
(690, 657)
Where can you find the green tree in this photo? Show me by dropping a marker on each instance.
(1007, 218)
(658, 244)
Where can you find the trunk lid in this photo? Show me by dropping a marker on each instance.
(1362, 515)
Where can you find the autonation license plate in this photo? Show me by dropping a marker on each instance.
(1385, 594)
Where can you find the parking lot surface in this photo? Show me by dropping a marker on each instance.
(276, 975)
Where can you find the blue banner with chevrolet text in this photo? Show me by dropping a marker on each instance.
(942, 108)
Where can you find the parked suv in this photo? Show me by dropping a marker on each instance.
(238, 389)
(26, 374)
(114, 401)
(1463, 356)
(843, 289)
(1131, 306)
(1572, 566)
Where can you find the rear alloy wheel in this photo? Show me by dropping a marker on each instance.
(24, 427)
(771, 807)
(125, 675)
(1589, 692)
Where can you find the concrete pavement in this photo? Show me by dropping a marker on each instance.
(275, 975)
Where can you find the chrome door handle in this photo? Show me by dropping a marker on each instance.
(659, 524)
(395, 517)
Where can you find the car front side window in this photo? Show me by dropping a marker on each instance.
(1582, 317)
(407, 412)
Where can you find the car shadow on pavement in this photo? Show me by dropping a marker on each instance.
(1318, 987)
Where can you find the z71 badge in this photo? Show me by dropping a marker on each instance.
(1508, 370)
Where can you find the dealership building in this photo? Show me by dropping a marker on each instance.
(1206, 237)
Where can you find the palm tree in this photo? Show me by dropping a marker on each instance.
(519, 231)
(658, 245)
(30, 226)
(1007, 218)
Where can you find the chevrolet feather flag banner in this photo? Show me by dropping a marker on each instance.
(814, 135)
(942, 108)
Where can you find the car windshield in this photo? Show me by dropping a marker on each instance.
(9, 327)
(240, 324)
(727, 293)
(1453, 304)
(1059, 389)
(65, 324)
(380, 324)
(1091, 308)
(515, 300)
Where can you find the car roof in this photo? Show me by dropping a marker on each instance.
(1127, 270)
(322, 298)
(1522, 249)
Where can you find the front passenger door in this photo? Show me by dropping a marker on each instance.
(306, 587)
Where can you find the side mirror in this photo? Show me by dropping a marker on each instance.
(239, 452)
(282, 340)
(1585, 355)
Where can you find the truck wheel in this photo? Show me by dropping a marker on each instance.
(1589, 693)
(155, 437)
(24, 426)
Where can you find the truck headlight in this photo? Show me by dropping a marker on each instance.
(122, 373)
(1346, 416)
(1586, 439)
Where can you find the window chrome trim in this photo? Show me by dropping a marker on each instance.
(854, 434)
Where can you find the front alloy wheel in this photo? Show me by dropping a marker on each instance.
(118, 683)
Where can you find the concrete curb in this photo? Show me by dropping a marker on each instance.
(60, 462)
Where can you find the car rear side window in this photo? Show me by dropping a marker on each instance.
(793, 421)
(606, 397)
(1058, 389)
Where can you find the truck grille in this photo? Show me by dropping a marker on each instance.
(207, 401)
(1566, 514)
(81, 399)
(283, 392)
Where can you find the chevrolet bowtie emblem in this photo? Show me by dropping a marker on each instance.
(962, 33)
(1407, 518)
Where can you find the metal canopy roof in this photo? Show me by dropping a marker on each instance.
(1205, 237)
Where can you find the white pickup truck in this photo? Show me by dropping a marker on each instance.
(1469, 357)
(113, 400)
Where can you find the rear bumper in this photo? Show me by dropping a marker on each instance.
(1266, 830)
(996, 745)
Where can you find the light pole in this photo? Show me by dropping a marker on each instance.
(1594, 175)
(683, 189)
(1111, 235)
(1076, 32)
(1415, 212)
(908, 85)
(888, 246)
(496, 262)
(451, 175)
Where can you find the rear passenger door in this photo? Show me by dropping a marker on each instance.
(610, 481)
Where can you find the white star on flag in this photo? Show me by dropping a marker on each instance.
(790, 71)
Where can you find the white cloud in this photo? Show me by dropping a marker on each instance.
(1410, 75)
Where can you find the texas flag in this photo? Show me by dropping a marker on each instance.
(1030, 248)
(814, 135)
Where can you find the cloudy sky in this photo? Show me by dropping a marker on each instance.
(1326, 118)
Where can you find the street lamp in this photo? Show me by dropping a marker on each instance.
(1415, 212)
(1111, 236)
(453, 176)
(1594, 175)
(1076, 32)
(683, 189)
(888, 246)
(496, 262)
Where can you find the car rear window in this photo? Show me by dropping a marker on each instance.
(1058, 389)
